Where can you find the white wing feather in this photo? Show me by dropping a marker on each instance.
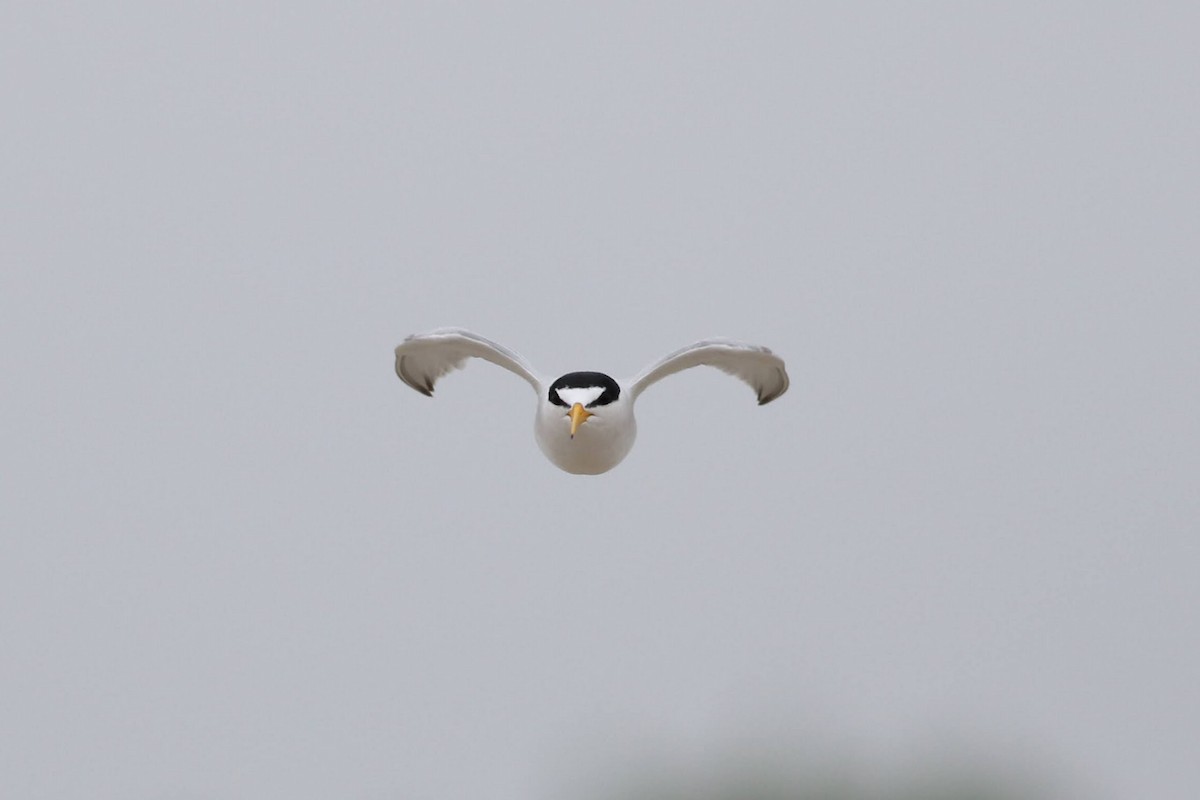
(757, 366)
(423, 358)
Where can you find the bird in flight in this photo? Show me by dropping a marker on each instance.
(584, 422)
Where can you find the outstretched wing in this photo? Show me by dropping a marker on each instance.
(423, 358)
(757, 366)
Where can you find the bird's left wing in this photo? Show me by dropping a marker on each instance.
(424, 357)
(755, 365)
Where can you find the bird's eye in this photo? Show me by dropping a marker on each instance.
(610, 394)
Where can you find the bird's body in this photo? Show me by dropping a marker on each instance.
(585, 423)
(598, 445)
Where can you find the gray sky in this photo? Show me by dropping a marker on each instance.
(239, 559)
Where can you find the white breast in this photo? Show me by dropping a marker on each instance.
(600, 443)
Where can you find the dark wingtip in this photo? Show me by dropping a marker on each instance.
(783, 387)
(425, 389)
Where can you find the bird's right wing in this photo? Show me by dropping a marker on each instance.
(423, 358)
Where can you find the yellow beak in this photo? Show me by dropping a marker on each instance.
(578, 416)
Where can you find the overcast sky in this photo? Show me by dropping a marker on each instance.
(239, 559)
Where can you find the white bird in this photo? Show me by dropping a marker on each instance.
(584, 421)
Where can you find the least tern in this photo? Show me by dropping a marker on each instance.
(584, 421)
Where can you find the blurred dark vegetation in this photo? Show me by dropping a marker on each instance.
(743, 777)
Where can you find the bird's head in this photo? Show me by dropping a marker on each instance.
(583, 395)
